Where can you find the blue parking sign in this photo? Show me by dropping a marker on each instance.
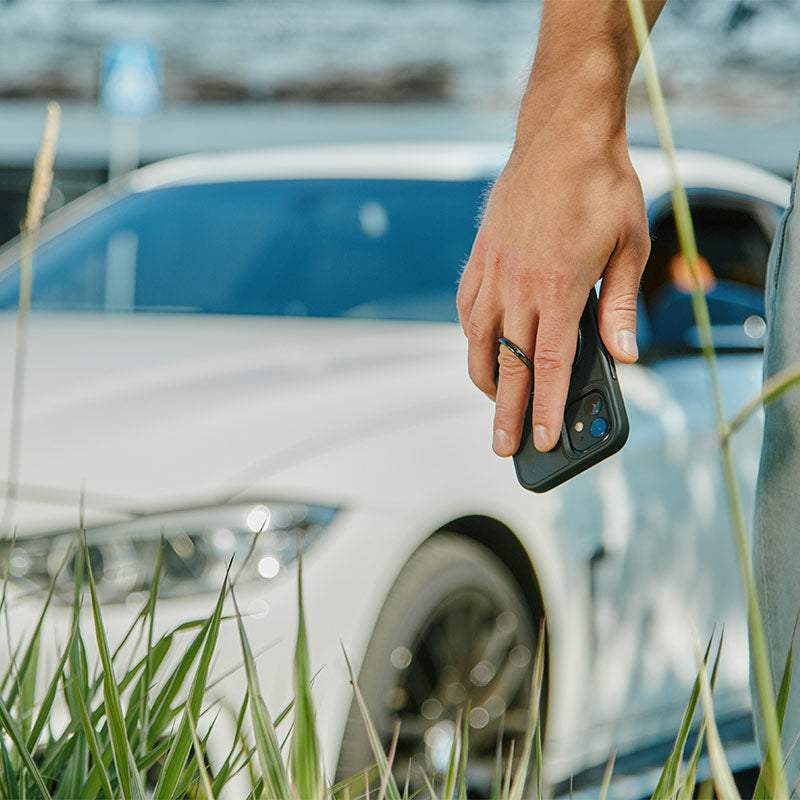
(132, 79)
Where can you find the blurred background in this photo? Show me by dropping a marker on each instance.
(245, 73)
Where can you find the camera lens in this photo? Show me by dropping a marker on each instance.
(593, 404)
(599, 428)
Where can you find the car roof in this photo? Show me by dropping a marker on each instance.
(438, 161)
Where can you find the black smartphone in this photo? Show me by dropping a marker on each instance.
(595, 423)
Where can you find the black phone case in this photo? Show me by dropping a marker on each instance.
(593, 371)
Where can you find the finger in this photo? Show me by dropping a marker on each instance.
(483, 330)
(618, 298)
(469, 285)
(513, 387)
(556, 339)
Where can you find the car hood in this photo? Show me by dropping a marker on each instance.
(150, 412)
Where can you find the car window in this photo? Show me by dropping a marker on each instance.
(733, 242)
(326, 248)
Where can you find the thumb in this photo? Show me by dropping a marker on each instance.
(618, 297)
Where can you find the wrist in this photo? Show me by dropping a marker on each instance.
(584, 102)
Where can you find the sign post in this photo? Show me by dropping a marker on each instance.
(131, 87)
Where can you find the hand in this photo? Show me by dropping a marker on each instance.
(566, 211)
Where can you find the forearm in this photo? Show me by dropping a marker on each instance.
(584, 61)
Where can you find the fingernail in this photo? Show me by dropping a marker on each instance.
(541, 440)
(627, 343)
(501, 443)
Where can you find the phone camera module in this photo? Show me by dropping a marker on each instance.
(586, 427)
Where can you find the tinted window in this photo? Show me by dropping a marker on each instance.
(325, 248)
(733, 240)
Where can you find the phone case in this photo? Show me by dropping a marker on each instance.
(583, 442)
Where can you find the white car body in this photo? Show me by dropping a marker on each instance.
(148, 413)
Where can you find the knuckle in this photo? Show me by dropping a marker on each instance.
(520, 275)
(494, 262)
(511, 366)
(508, 416)
(554, 284)
(639, 244)
(625, 304)
(479, 334)
(548, 360)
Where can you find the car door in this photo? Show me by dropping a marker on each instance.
(664, 557)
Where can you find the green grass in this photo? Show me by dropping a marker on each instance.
(117, 728)
(108, 747)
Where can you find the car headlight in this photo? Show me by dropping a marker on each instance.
(262, 539)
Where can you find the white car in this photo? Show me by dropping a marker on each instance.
(269, 339)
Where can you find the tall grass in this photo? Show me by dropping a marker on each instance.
(775, 388)
(121, 739)
(39, 194)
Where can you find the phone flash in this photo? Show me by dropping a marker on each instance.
(578, 426)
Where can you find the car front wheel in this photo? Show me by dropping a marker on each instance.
(455, 632)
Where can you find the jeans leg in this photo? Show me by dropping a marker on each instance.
(776, 534)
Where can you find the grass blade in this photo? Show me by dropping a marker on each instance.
(452, 762)
(686, 790)
(669, 775)
(505, 792)
(606, 784)
(389, 761)
(120, 747)
(723, 779)
(199, 755)
(78, 568)
(773, 388)
(760, 792)
(50, 696)
(163, 713)
(462, 761)
(347, 787)
(18, 740)
(148, 666)
(539, 777)
(431, 793)
(497, 780)
(392, 792)
(306, 769)
(269, 755)
(94, 748)
(225, 770)
(706, 790)
(29, 660)
(8, 775)
(521, 776)
(176, 759)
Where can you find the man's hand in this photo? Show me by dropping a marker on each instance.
(566, 211)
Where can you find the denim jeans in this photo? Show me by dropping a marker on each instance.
(776, 532)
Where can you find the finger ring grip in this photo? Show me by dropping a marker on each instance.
(516, 351)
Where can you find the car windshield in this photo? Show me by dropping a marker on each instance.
(385, 249)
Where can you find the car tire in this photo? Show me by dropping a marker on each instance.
(455, 629)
